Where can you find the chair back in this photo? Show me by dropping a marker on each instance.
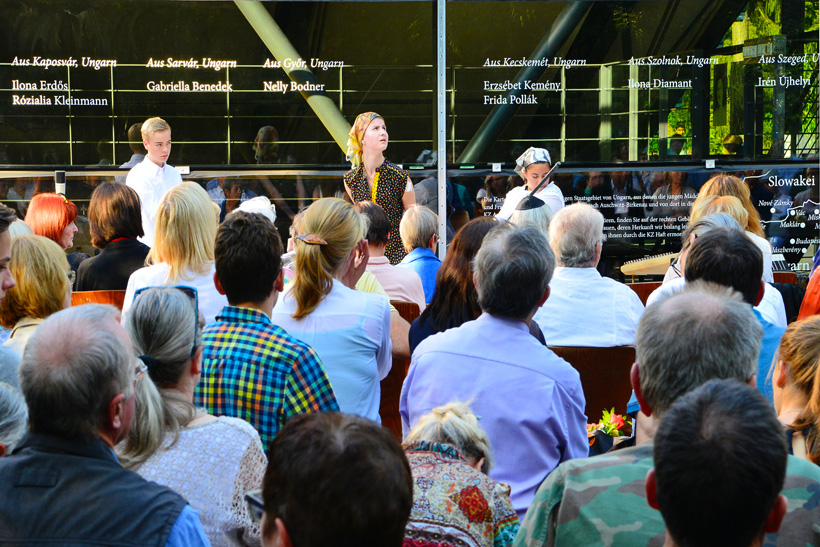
(604, 376)
(391, 385)
(115, 298)
(644, 289)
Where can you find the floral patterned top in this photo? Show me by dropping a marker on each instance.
(392, 182)
(454, 504)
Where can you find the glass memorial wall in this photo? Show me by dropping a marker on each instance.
(641, 101)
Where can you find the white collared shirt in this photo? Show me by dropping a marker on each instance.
(551, 195)
(586, 309)
(151, 181)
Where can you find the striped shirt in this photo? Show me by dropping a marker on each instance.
(254, 370)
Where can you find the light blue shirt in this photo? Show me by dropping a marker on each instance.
(529, 400)
(425, 263)
(187, 530)
(768, 347)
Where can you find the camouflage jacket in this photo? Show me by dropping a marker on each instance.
(601, 501)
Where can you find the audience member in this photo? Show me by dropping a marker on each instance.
(724, 184)
(42, 287)
(685, 339)
(251, 368)
(53, 216)
(260, 205)
(771, 307)
(532, 166)
(532, 211)
(453, 498)
(796, 385)
(334, 479)
(115, 223)
(153, 177)
(418, 230)
(183, 250)
(456, 300)
(399, 283)
(349, 329)
(9, 359)
(720, 463)
(210, 461)
(64, 484)
(13, 417)
(729, 258)
(494, 360)
(20, 228)
(584, 308)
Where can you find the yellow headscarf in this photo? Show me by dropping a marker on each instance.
(354, 143)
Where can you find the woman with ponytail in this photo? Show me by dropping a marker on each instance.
(212, 462)
(796, 384)
(349, 329)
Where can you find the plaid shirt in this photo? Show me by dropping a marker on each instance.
(254, 370)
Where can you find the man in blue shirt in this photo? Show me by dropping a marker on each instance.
(63, 484)
(728, 257)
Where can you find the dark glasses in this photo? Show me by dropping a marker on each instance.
(191, 293)
(255, 504)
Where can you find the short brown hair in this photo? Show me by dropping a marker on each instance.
(379, 230)
(248, 255)
(342, 471)
(7, 216)
(114, 212)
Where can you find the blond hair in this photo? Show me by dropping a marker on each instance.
(456, 425)
(800, 352)
(335, 221)
(185, 233)
(706, 205)
(729, 185)
(417, 226)
(153, 125)
(40, 270)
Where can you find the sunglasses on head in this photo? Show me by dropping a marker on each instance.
(190, 292)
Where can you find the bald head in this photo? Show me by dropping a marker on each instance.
(702, 333)
(75, 363)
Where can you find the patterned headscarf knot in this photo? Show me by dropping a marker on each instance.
(354, 143)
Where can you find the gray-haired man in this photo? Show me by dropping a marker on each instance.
(530, 401)
(63, 484)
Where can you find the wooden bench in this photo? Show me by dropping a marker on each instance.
(391, 385)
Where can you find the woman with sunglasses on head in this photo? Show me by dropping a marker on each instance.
(183, 251)
(373, 178)
(43, 282)
(210, 461)
(52, 216)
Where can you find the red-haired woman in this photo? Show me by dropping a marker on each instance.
(52, 216)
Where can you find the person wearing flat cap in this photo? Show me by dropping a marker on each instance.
(532, 166)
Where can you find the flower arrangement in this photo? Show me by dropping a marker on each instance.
(611, 423)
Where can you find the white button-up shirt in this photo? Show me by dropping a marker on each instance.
(151, 181)
(551, 195)
(586, 309)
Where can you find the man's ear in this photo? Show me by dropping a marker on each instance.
(218, 285)
(776, 515)
(114, 412)
(544, 297)
(760, 292)
(279, 282)
(275, 534)
(635, 377)
(651, 492)
(145, 145)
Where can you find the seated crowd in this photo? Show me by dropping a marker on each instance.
(235, 398)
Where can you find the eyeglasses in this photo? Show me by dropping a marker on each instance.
(72, 276)
(191, 293)
(255, 504)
